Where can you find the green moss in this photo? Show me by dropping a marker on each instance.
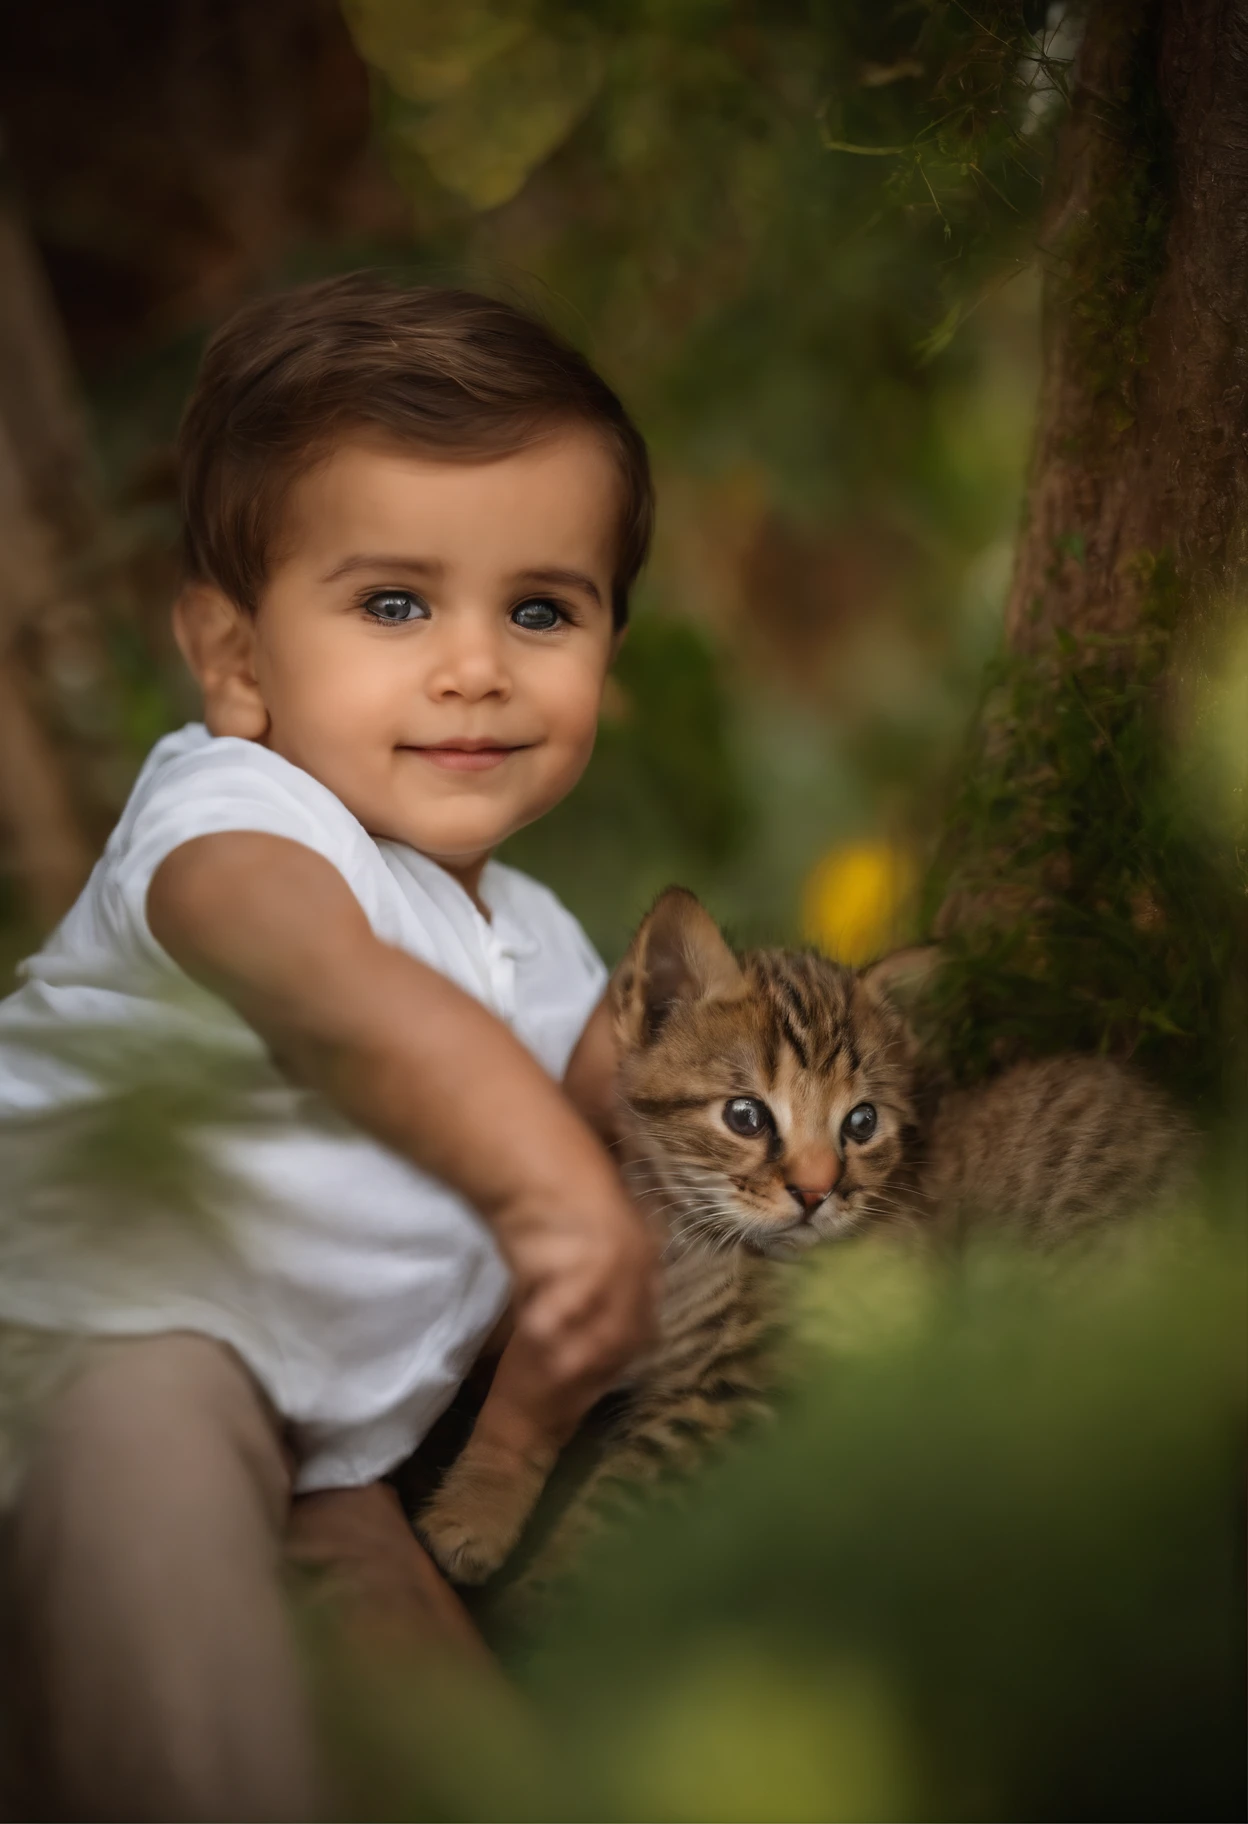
(1089, 908)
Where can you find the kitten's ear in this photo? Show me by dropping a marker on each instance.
(678, 954)
(904, 975)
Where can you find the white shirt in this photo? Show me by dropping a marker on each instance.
(160, 1173)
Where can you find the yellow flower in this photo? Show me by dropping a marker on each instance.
(855, 900)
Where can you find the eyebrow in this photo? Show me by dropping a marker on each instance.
(368, 560)
(567, 579)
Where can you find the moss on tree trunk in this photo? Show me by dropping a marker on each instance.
(1080, 904)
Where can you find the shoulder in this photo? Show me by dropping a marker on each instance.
(193, 758)
(194, 784)
(216, 782)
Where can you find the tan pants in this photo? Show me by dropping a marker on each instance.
(156, 1671)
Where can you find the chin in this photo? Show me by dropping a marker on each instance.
(787, 1244)
(459, 846)
(837, 1224)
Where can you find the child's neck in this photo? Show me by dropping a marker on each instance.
(468, 874)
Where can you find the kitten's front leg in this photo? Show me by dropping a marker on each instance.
(474, 1520)
(658, 1436)
(626, 1467)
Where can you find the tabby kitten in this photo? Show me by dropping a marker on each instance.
(769, 1103)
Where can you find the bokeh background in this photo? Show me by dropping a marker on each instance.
(832, 352)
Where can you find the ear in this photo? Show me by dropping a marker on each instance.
(904, 975)
(678, 954)
(217, 640)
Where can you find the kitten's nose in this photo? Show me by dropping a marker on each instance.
(814, 1177)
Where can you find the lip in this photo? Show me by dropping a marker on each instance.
(466, 756)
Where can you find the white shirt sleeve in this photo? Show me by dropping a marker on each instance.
(224, 785)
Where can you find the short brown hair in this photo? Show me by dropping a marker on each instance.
(447, 371)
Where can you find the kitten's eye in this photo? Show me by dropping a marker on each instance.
(395, 606)
(859, 1123)
(537, 616)
(747, 1116)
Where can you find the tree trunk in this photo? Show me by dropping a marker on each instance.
(1143, 424)
(54, 677)
(1078, 903)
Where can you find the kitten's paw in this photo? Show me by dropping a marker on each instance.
(468, 1548)
(475, 1519)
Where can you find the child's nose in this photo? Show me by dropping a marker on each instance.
(470, 665)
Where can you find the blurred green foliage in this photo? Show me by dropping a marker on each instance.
(689, 163)
(818, 344)
(986, 1563)
(814, 340)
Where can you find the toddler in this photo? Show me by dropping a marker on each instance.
(411, 524)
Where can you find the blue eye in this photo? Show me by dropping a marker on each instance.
(395, 606)
(537, 616)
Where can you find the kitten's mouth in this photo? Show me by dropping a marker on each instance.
(829, 1223)
(782, 1241)
(786, 1245)
(824, 1223)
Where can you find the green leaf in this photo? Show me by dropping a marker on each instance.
(484, 95)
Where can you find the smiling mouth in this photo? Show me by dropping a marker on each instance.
(468, 756)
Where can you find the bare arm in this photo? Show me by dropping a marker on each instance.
(590, 1077)
(275, 930)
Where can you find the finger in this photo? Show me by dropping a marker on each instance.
(590, 1357)
(597, 1331)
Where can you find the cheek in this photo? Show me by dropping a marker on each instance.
(567, 690)
(303, 669)
(760, 1178)
(866, 1169)
(341, 692)
(709, 1149)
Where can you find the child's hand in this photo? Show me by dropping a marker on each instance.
(586, 1274)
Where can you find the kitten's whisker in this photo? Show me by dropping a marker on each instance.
(701, 1222)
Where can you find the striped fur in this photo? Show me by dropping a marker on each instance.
(1055, 1150)
(808, 1038)
(697, 1027)
(1056, 1147)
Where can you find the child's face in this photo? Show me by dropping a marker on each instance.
(435, 636)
